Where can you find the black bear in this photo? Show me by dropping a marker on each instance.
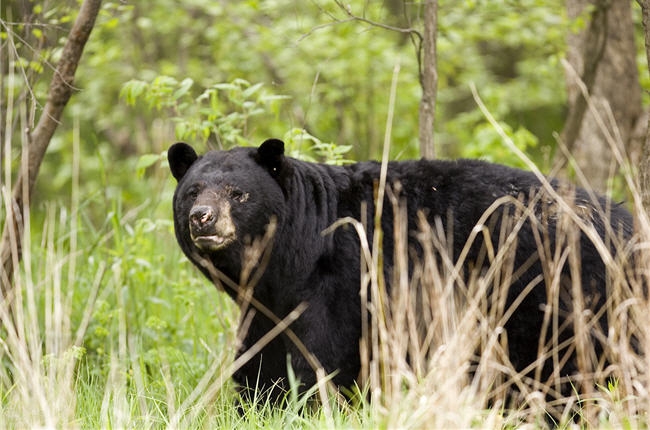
(226, 199)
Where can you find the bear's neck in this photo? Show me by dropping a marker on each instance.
(299, 244)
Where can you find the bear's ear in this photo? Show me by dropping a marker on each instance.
(180, 156)
(271, 154)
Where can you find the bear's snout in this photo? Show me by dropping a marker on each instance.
(211, 226)
(202, 217)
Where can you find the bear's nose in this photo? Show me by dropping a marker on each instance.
(201, 216)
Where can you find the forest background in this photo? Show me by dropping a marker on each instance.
(111, 326)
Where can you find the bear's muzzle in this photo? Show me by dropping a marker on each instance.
(211, 226)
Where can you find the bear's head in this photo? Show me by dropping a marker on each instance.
(225, 199)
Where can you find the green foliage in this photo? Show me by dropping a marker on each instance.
(300, 144)
(510, 51)
(175, 322)
(222, 112)
(235, 73)
(488, 144)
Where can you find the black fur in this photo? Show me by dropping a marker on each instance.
(323, 270)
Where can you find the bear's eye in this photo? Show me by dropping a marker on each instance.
(239, 195)
(193, 192)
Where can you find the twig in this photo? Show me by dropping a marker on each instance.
(365, 20)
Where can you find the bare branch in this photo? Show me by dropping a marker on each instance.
(59, 93)
(426, 53)
(365, 20)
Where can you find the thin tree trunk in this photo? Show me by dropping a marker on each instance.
(603, 57)
(59, 93)
(585, 52)
(644, 165)
(428, 80)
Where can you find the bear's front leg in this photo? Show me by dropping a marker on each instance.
(333, 340)
(263, 375)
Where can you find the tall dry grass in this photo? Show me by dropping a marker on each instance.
(40, 346)
(435, 351)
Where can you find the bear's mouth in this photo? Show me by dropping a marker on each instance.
(212, 242)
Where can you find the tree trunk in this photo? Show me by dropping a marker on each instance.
(428, 79)
(644, 165)
(604, 59)
(59, 93)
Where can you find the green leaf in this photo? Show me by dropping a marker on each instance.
(185, 86)
(145, 161)
(252, 90)
(132, 90)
